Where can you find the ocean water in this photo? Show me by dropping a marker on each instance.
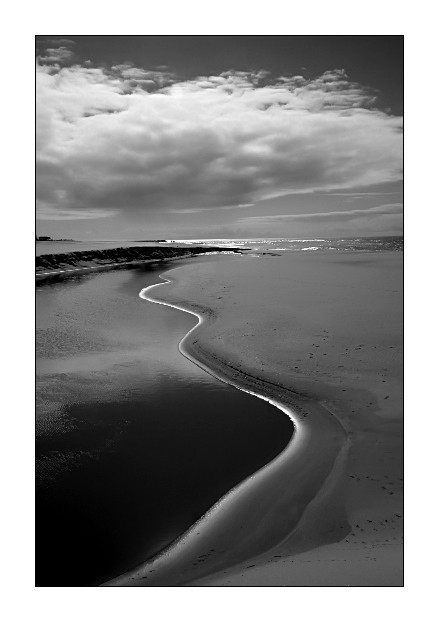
(256, 244)
(395, 243)
(133, 441)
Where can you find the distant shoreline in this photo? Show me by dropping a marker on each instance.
(64, 264)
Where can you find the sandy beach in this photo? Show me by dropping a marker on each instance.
(320, 334)
(220, 323)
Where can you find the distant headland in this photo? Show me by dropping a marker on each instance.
(47, 238)
(81, 260)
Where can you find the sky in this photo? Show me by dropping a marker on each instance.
(188, 137)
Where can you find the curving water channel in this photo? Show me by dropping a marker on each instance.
(134, 442)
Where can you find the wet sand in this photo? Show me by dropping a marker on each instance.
(321, 334)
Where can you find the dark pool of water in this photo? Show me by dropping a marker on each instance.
(134, 442)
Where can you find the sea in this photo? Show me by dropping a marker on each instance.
(376, 244)
(394, 243)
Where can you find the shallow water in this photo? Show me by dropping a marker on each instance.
(134, 442)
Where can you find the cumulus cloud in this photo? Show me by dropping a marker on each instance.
(131, 140)
(149, 79)
(56, 56)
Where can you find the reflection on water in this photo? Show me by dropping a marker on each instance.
(134, 442)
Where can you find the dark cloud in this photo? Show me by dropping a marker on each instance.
(57, 42)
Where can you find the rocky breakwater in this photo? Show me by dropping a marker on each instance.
(62, 263)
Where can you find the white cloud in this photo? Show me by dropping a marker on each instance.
(343, 215)
(106, 143)
(59, 55)
(128, 72)
(52, 213)
(359, 195)
(379, 220)
(197, 210)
